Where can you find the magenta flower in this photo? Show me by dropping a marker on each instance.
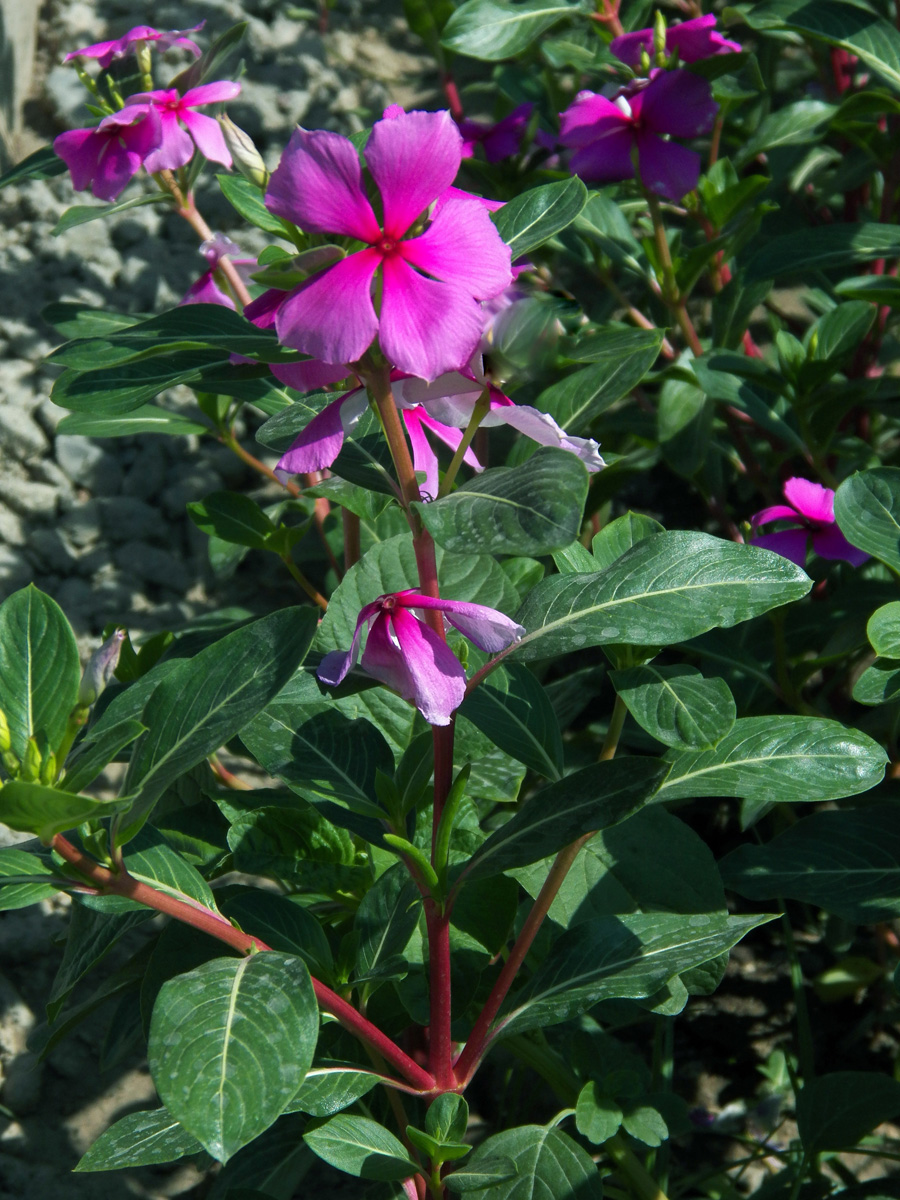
(174, 111)
(604, 133)
(694, 39)
(107, 157)
(432, 272)
(206, 290)
(811, 513)
(499, 140)
(105, 52)
(402, 652)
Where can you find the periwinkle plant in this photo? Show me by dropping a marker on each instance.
(444, 745)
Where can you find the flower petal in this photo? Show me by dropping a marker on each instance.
(676, 102)
(309, 375)
(262, 311)
(777, 512)
(790, 543)
(207, 133)
(426, 327)
(335, 665)
(320, 442)
(331, 316)
(831, 543)
(80, 150)
(450, 398)
(606, 160)
(413, 158)
(542, 428)
(628, 46)
(211, 93)
(588, 118)
(505, 138)
(666, 168)
(489, 629)
(424, 458)
(318, 186)
(462, 245)
(175, 148)
(810, 499)
(421, 667)
(697, 38)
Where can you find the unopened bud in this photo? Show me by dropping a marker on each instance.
(144, 59)
(31, 762)
(98, 672)
(5, 740)
(645, 63)
(48, 769)
(659, 38)
(247, 158)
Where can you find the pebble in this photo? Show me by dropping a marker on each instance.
(153, 565)
(19, 434)
(30, 499)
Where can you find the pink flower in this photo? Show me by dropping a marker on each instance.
(432, 275)
(105, 52)
(604, 133)
(498, 140)
(811, 514)
(173, 110)
(694, 39)
(443, 407)
(107, 157)
(402, 652)
(206, 290)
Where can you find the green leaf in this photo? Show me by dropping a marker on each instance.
(616, 958)
(883, 630)
(152, 860)
(22, 877)
(846, 862)
(536, 215)
(821, 248)
(230, 1044)
(447, 1118)
(875, 289)
(512, 708)
(42, 164)
(720, 383)
(141, 1139)
(232, 518)
(204, 701)
(592, 798)
(619, 361)
(386, 919)
(270, 1168)
(855, 27)
(211, 62)
(546, 1161)
(39, 668)
(487, 1174)
(793, 125)
(92, 933)
(835, 1111)
(327, 1089)
(149, 418)
(80, 214)
(283, 924)
(96, 751)
(620, 535)
(784, 758)
(113, 392)
(77, 319)
(879, 683)
(360, 1147)
(426, 19)
(838, 333)
(597, 1116)
(249, 201)
(532, 509)
(493, 29)
(867, 511)
(668, 588)
(47, 811)
(676, 705)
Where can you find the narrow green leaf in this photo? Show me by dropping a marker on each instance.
(360, 1147)
(80, 214)
(47, 811)
(248, 200)
(327, 1089)
(386, 919)
(42, 164)
(536, 215)
(619, 361)
(822, 248)
(147, 419)
(141, 1139)
(794, 124)
(494, 29)
(22, 877)
(512, 708)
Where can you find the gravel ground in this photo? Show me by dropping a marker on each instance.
(100, 525)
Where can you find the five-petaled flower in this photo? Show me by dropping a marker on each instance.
(106, 52)
(434, 267)
(606, 134)
(175, 111)
(404, 653)
(693, 39)
(811, 513)
(106, 157)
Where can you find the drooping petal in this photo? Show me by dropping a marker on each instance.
(831, 543)
(451, 436)
(100, 50)
(320, 442)
(331, 316)
(542, 428)
(205, 290)
(790, 543)
(309, 375)
(777, 512)
(588, 118)
(211, 93)
(676, 102)
(318, 186)
(207, 134)
(462, 245)
(489, 629)
(667, 169)
(419, 666)
(450, 398)
(335, 665)
(424, 458)
(413, 158)
(176, 147)
(697, 38)
(810, 499)
(426, 327)
(606, 160)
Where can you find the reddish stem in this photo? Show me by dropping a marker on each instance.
(452, 94)
(440, 1057)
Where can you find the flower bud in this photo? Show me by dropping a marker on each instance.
(48, 769)
(247, 158)
(98, 672)
(659, 38)
(31, 762)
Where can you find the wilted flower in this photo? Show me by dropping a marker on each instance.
(106, 52)
(811, 514)
(206, 290)
(106, 157)
(402, 652)
(693, 39)
(175, 111)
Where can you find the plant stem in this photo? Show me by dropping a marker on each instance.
(479, 412)
(674, 300)
(613, 733)
(440, 1058)
(227, 438)
(109, 883)
(805, 1056)
(314, 594)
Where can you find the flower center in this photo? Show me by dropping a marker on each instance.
(389, 603)
(387, 246)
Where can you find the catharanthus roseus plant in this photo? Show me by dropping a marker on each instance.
(571, 409)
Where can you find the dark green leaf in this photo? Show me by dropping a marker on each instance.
(96, 751)
(360, 1147)
(146, 419)
(533, 217)
(386, 919)
(824, 247)
(546, 1161)
(883, 630)
(113, 392)
(211, 62)
(620, 535)
(879, 683)
(597, 1116)
(619, 361)
(327, 1089)
(46, 811)
(794, 124)
(42, 164)
(676, 705)
(23, 877)
(875, 289)
(834, 1111)
(284, 925)
(80, 214)
(867, 511)
(141, 1139)
(487, 1174)
(512, 708)
(232, 518)
(248, 199)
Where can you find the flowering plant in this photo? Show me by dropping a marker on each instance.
(469, 809)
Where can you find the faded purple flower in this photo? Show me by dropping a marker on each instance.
(206, 290)
(107, 157)
(605, 133)
(404, 653)
(105, 52)
(498, 140)
(811, 513)
(100, 668)
(694, 39)
(175, 112)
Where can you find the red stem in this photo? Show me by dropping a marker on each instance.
(440, 1057)
(217, 926)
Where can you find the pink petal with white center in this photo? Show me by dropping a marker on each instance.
(606, 160)
(211, 93)
(811, 500)
(309, 375)
(331, 316)
(175, 149)
(335, 665)
(777, 512)
(417, 664)
(542, 428)
(425, 327)
(413, 158)
(831, 543)
(666, 168)
(487, 628)
(318, 186)
(790, 543)
(320, 442)
(589, 117)
(207, 134)
(676, 102)
(462, 245)
(425, 461)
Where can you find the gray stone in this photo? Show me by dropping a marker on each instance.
(82, 523)
(153, 565)
(45, 470)
(191, 484)
(49, 415)
(127, 519)
(76, 598)
(19, 434)
(15, 571)
(49, 550)
(148, 475)
(30, 499)
(88, 464)
(12, 528)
